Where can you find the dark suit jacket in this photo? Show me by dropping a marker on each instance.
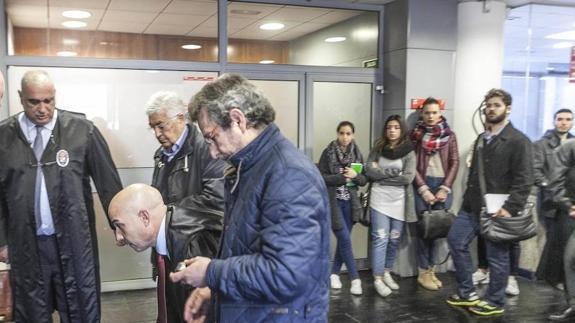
(508, 167)
(187, 237)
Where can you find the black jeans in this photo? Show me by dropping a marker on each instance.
(569, 263)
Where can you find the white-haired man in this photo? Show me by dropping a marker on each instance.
(189, 178)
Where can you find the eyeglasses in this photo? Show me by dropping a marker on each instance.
(209, 137)
(162, 126)
(35, 102)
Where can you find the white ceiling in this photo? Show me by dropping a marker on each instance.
(177, 17)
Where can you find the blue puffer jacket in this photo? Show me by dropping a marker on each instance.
(273, 264)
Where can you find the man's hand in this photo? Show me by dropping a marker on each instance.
(195, 272)
(441, 195)
(572, 211)
(197, 305)
(428, 197)
(4, 254)
(503, 213)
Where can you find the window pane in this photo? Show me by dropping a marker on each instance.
(538, 44)
(278, 34)
(126, 29)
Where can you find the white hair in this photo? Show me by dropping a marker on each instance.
(166, 101)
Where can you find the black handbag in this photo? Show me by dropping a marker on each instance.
(434, 224)
(503, 229)
(365, 218)
(512, 229)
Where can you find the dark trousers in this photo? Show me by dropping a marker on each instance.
(569, 263)
(514, 255)
(464, 229)
(344, 251)
(52, 277)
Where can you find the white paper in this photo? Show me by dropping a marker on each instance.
(494, 202)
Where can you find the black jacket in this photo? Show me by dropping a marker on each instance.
(186, 237)
(194, 182)
(333, 179)
(508, 168)
(70, 196)
(544, 163)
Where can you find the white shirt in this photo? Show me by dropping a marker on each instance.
(161, 243)
(29, 130)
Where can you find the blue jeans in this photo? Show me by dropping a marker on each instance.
(464, 229)
(426, 249)
(344, 251)
(385, 236)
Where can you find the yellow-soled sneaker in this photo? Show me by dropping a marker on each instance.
(484, 309)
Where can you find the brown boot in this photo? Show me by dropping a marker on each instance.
(434, 278)
(424, 279)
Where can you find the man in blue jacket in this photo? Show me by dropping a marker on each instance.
(273, 262)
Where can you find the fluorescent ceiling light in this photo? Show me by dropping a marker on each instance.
(335, 39)
(74, 24)
(267, 61)
(66, 53)
(272, 26)
(191, 46)
(68, 41)
(245, 12)
(566, 35)
(563, 44)
(76, 14)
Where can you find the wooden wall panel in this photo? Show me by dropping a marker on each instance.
(117, 45)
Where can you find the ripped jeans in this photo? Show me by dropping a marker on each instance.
(385, 235)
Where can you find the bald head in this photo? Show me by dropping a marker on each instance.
(36, 78)
(134, 198)
(136, 213)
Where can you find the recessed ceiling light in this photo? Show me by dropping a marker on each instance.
(267, 61)
(335, 39)
(68, 41)
(191, 46)
(66, 53)
(76, 14)
(566, 35)
(245, 12)
(563, 44)
(74, 24)
(272, 26)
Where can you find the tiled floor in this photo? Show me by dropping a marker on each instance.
(410, 304)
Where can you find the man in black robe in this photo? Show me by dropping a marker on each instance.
(47, 221)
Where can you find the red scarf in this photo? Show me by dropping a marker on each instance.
(432, 138)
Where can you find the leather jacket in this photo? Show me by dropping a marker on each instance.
(449, 155)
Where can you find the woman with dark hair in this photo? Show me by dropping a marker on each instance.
(342, 182)
(437, 165)
(391, 168)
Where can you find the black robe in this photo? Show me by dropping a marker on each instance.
(70, 197)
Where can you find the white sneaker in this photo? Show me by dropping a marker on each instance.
(334, 281)
(381, 288)
(388, 280)
(480, 278)
(512, 288)
(356, 287)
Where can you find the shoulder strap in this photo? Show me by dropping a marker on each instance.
(480, 170)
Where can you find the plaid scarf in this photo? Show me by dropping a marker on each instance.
(432, 138)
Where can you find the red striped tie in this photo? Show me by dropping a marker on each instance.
(162, 312)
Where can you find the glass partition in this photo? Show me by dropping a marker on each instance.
(539, 41)
(280, 34)
(121, 29)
